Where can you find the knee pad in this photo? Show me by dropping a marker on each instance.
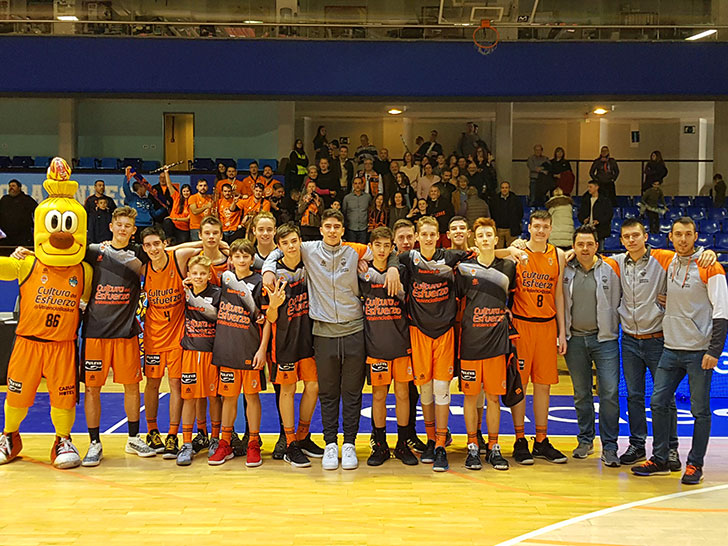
(426, 395)
(480, 402)
(441, 391)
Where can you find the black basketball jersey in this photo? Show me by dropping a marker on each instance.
(431, 302)
(293, 331)
(485, 289)
(386, 328)
(111, 312)
(200, 318)
(237, 338)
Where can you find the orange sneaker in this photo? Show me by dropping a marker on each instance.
(10, 446)
(253, 455)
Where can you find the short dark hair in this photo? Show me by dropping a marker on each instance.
(594, 181)
(684, 220)
(285, 230)
(254, 162)
(458, 219)
(226, 184)
(151, 230)
(403, 223)
(585, 229)
(382, 232)
(244, 246)
(332, 213)
(632, 222)
(540, 214)
(277, 186)
(16, 181)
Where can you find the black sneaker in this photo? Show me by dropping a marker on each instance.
(380, 455)
(200, 442)
(404, 454)
(279, 450)
(239, 448)
(448, 438)
(440, 464)
(673, 461)
(544, 450)
(496, 459)
(482, 444)
(428, 455)
(309, 447)
(154, 440)
(633, 455)
(415, 444)
(693, 474)
(295, 457)
(651, 468)
(521, 453)
(472, 461)
(171, 447)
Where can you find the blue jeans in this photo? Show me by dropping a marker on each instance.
(639, 355)
(670, 371)
(580, 353)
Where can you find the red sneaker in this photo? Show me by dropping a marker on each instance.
(64, 454)
(223, 453)
(10, 446)
(253, 455)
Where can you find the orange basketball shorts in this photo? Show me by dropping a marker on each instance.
(432, 358)
(489, 373)
(119, 354)
(381, 372)
(199, 375)
(287, 373)
(155, 364)
(231, 382)
(31, 360)
(537, 351)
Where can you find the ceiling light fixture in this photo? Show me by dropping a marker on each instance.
(700, 35)
(253, 22)
(67, 18)
(394, 111)
(599, 111)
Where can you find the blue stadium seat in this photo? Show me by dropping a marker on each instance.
(575, 198)
(86, 163)
(674, 214)
(657, 240)
(148, 166)
(41, 161)
(717, 214)
(725, 225)
(665, 225)
(630, 212)
(696, 213)
(616, 225)
(244, 163)
(133, 162)
(203, 164)
(705, 240)
(708, 227)
(273, 163)
(616, 212)
(612, 244)
(4, 162)
(524, 200)
(624, 201)
(681, 201)
(109, 163)
(721, 242)
(703, 201)
(227, 161)
(22, 162)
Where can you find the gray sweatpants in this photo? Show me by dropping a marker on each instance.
(340, 363)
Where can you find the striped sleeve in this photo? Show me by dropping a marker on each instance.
(718, 295)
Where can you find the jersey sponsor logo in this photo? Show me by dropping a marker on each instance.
(15, 386)
(286, 366)
(254, 383)
(67, 390)
(189, 378)
(380, 367)
(521, 364)
(44, 279)
(73, 281)
(227, 377)
(93, 365)
(153, 360)
(468, 375)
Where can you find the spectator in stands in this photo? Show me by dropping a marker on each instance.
(177, 225)
(390, 180)
(462, 164)
(452, 160)
(409, 167)
(481, 158)
(99, 191)
(310, 208)
(468, 141)
(717, 192)
(562, 219)
(145, 206)
(320, 143)
(605, 170)
(398, 209)
(487, 168)
(476, 207)
(201, 205)
(446, 184)
(440, 165)
(220, 173)
(99, 221)
(254, 177)
(430, 149)
(344, 169)
(267, 180)
(457, 173)
(297, 164)
(596, 210)
(653, 205)
(253, 205)
(405, 186)
(381, 162)
(282, 206)
(507, 211)
(365, 150)
(162, 197)
(441, 210)
(373, 183)
(378, 214)
(418, 211)
(327, 180)
(655, 170)
(355, 208)
(477, 180)
(336, 205)
(229, 211)
(231, 174)
(426, 181)
(537, 164)
(561, 171)
(459, 197)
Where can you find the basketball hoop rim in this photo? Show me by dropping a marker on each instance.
(486, 24)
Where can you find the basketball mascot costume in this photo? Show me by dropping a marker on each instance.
(52, 284)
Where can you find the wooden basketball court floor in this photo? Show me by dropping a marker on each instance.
(128, 500)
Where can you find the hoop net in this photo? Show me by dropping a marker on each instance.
(485, 37)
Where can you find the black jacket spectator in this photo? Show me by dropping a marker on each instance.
(490, 178)
(602, 213)
(442, 211)
(98, 225)
(654, 171)
(90, 203)
(605, 171)
(507, 212)
(16, 216)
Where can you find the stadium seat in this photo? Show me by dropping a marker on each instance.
(696, 213)
(148, 166)
(273, 163)
(681, 201)
(708, 227)
(86, 163)
(624, 201)
(4, 162)
(21, 162)
(616, 212)
(725, 225)
(636, 200)
(721, 242)
(133, 162)
(705, 240)
(612, 244)
(227, 161)
(616, 225)
(244, 163)
(665, 225)
(41, 161)
(723, 259)
(674, 214)
(203, 164)
(630, 212)
(657, 240)
(703, 201)
(716, 214)
(109, 164)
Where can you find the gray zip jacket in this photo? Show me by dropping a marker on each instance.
(609, 292)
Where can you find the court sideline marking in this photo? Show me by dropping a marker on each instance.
(605, 512)
(113, 428)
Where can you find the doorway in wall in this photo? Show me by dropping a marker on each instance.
(179, 140)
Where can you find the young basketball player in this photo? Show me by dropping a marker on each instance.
(292, 354)
(240, 350)
(111, 330)
(538, 316)
(484, 285)
(199, 375)
(388, 349)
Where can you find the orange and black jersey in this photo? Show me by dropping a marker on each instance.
(165, 317)
(242, 302)
(431, 303)
(293, 330)
(258, 261)
(386, 328)
(111, 312)
(200, 319)
(485, 291)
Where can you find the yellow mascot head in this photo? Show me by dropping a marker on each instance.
(60, 220)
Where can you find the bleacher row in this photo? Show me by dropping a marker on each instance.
(199, 164)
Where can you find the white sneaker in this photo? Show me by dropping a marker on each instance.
(137, 446)
(66, 454)
(94, 454)
(330, 460)
(348, 457)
